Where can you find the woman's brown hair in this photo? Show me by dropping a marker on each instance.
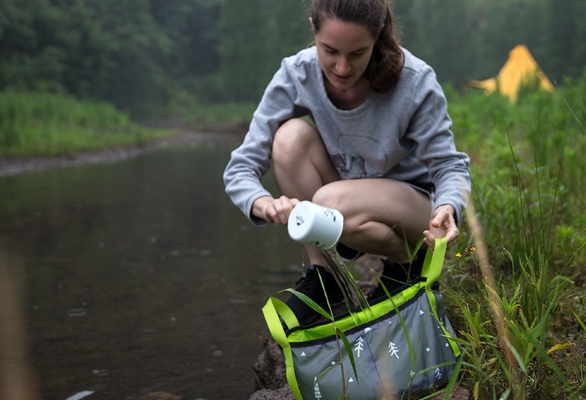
(386, 63)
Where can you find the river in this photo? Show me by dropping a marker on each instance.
(140, 276)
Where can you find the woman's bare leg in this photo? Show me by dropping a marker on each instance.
(381, 216)
(302, 166)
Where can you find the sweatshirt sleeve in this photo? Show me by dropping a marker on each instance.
(251, 161)
(431, 128)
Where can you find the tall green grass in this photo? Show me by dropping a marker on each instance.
(38, 124)
(527, 165)
(514, 281)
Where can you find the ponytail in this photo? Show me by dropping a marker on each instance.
(387, 60)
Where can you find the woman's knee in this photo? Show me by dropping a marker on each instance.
(389, 202)
(292, 139)
(336, 195)
(332, 195)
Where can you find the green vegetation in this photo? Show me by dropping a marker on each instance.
(151, 57)
(229, 116)
(48, 124)
(514, 284)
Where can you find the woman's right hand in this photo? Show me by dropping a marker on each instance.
(273, 210)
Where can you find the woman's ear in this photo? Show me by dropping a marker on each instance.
(312, 26)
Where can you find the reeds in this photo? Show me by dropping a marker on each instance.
(511, 280)
(527, 163)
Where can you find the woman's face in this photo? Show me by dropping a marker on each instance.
(344, 51)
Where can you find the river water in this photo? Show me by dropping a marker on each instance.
(141, 276)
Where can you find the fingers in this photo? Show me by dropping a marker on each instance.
(429, 239)
(277, 211)
(442, 225)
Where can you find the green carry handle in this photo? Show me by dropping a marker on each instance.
(271, 312)
(434, 261)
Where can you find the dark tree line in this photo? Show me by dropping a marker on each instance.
(466, 39)
(155, 54)
(134, 53)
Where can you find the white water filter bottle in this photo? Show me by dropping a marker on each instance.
(313, 224)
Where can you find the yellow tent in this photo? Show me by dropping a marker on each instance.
(520, 67)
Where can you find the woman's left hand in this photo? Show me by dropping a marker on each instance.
(441, 225)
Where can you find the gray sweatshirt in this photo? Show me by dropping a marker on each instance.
(404, 134)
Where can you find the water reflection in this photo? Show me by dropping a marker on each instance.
(143, 271)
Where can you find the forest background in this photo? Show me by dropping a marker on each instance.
(157, 58)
